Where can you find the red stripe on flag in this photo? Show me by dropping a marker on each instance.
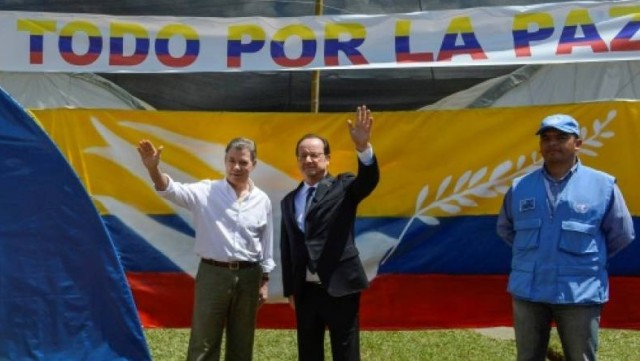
(163, 299)
(392, 302)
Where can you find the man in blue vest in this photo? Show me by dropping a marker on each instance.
(564, 222)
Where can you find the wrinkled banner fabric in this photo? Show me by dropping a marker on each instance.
(63, 291)
(426, 234)
(568, 32)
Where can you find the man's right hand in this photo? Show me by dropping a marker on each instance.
(149, 154)
(150, 157)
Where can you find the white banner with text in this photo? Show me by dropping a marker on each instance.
(547, 33)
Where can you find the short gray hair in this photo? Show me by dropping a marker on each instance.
(241, 143)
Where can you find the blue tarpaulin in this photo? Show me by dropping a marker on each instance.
(63, 292)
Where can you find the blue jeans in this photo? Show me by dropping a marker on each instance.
(577, 327)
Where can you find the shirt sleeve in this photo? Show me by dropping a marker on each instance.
(184, 195)
(267, 262)
(504, 225)
(366, 156)
(617, 224)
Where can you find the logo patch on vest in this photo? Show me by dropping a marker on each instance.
(581, 207)
(528, 204)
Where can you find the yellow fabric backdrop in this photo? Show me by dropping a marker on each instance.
(465, 157)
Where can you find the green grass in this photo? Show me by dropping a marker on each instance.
(440, 345)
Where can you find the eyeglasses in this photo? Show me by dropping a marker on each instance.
(313, 156)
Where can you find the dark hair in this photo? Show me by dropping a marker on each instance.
(243, 143)
(325, 143)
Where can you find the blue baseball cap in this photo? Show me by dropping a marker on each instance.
(562, 122)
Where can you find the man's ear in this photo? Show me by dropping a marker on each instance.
(578, 143)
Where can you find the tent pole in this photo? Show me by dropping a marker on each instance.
(315, 74)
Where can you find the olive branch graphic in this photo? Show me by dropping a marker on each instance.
(469, 186)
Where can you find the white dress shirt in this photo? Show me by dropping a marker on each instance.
(227, 228)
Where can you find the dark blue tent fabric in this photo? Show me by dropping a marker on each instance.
(63, 292)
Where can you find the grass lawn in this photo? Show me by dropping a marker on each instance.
(423, 345)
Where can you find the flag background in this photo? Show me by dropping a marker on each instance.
(426, 234)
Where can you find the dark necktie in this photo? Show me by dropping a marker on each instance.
(310, 192)
(307, 201)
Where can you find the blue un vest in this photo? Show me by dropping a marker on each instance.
(560, 258)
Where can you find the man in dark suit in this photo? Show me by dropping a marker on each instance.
(322, 274)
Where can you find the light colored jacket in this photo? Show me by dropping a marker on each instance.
(560, 257)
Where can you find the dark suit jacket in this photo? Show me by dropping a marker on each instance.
(328, 240)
